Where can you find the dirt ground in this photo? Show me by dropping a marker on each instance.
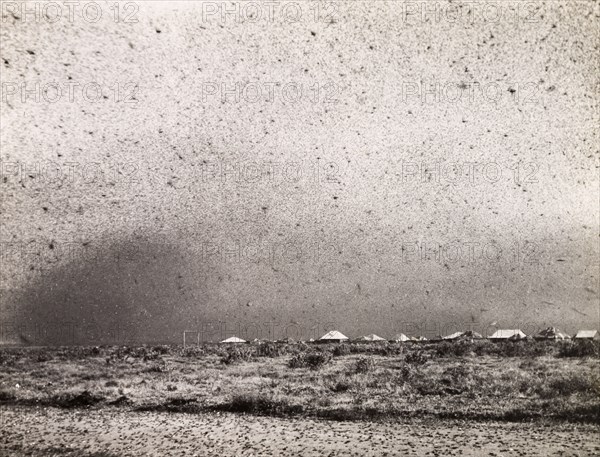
(110, 432)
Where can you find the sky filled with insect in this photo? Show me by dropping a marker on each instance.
(369, 166)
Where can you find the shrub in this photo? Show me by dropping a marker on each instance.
(455, 348)
(407, 372)
(527, 348)
(486, 347)
(515, 348)
(123, 400)
(76, 352)
(341, 386)
(191, 351)
(567, 385)
(73, 400)
(579, 348)
(270, 350)
(162, 350)
(8, 359)
(237, 354)
(7, 396)
(389, 349)
(44, 357)
(314, 360)
(341, 350)
(260, 404)
(416, 358)
(364, 365)
(324, 402)
(130, 353)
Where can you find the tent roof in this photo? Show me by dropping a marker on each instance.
(401, 337)
(371, 337)
(505, 334)
(463, 335)
(233, 339)
(453, 336)
(472, 334)
(586, 334)
(334, 335)
(551, 333)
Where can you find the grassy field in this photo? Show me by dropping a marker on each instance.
(512, 381)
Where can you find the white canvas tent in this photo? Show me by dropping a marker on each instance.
(468, 335)
(507, 335)
(471, 335)
(401, 338)
(333, 336)
(454, 336)
(259, 341)
(371, 337)
(551, 333)
(587, 335)
(233, 339)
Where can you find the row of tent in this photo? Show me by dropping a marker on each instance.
(550, 333)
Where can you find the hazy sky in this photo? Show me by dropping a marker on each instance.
(368, 166)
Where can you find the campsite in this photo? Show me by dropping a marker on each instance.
(432, 391)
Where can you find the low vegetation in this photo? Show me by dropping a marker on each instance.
(478, 380)
(312, 360)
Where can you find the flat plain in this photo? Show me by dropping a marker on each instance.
(462, 398)
(110, 432)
